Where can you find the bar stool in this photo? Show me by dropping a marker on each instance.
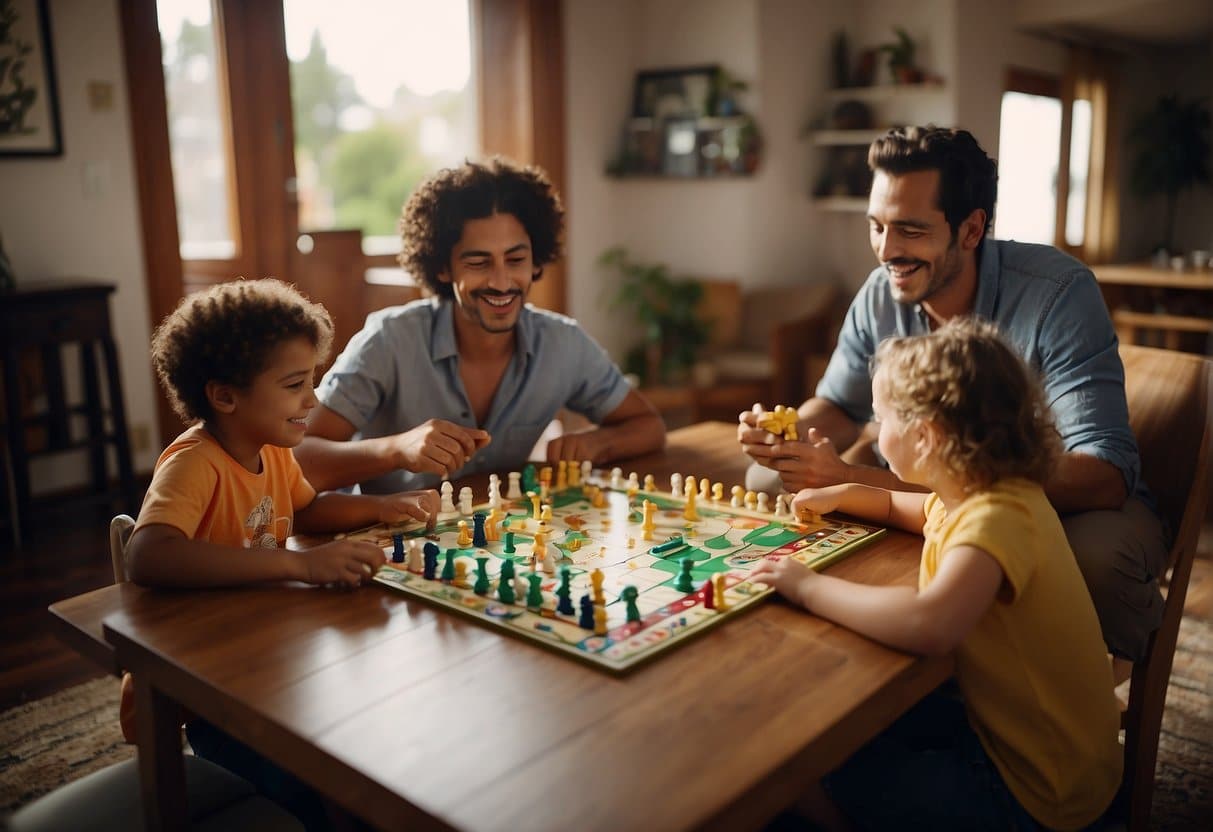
(45, 316)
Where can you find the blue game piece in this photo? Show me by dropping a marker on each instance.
(430, 565)
(509, 543)
(586, 621)
(534, 595)
(478, 538)
(481, 587)
(448, 566)
(685, 582)
(398, 547)
(564, 594)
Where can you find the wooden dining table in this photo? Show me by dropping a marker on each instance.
(408, 716)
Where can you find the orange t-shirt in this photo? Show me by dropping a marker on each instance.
(198, 488)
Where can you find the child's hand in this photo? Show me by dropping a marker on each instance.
(788, 576)
(817, 500)
(418, 505)
(347, 562)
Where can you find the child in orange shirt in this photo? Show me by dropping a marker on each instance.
(1035, 739)
(238, 360)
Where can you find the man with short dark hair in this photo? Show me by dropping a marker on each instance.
(421, 392)
(929, 211)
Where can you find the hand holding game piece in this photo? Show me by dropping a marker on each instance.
(409, 505)
(813, 463)
(438, 447)
(347, 562)
(811, 503)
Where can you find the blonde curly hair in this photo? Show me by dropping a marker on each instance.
(989, 406)
(226, 334)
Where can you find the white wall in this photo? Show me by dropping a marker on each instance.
(53, 228)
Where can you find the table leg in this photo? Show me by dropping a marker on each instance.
(161, 768)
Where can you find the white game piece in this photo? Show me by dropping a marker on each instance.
(617, 479)
(448, 503)
(494, 491)
(764, 502)
(465, 500)
(705, 489)
(416, 562)
(735, 500)
(781, 505)
(521, 587)
(587, 468)
(514, 491)
(676, 485)
(633, 481)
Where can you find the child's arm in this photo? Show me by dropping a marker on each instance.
(930, 622)
(903, 509)
(332, 511)
(162, 555)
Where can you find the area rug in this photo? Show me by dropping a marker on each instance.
(52, 741)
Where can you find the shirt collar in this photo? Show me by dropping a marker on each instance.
(442, 337)
(989, 273)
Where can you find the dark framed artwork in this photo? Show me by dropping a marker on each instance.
(684, 92)
(29, 109)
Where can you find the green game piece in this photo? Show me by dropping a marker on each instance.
(565, 593)
(505, 582)
(448, 567)
(629, 595)
(534, 596)
(509, 543)
(685, 582)
(530, 479)
(675, 542)
(481, 587)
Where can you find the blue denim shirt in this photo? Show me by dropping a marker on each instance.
(1049, 307)
(403, 368)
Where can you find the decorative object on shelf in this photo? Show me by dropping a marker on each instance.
(668, 312)
(840, 59)
(1172, 143)
(901, 58)
(725, 87)
(845, 173)
(29, 111)
(851, 115)
(681, 147)
(666, 93)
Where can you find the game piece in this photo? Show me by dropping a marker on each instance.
(521, 586)
(673, 543)
(430, 565)
(629, 595)
(599, 499)
(461, 574)
(587, 470)
(478, 536)
(751, 500)
(514, 491)
(737, 491)
(448, 566)
(534, 595)
(596, 579)
(676, 485)
(764, 502)
(550, 555)
(573, 472)
(481, 587)
(564, 593)
(573, 543)
(650, 483)
(538, 548)
(545, 513)
(448, 504)
(492, 531)
(545, 480)
(465, 536)
(705, 489)
(398, 548)
(505, 582)
(781, 422)
(562, 475)
(709, 593)
(509, 543)
(415, 563)
(586, 619)
(530, 480)
(650, 508)
(685, 583)
(721, 585)
(494, 491)
(781, 506)
(689, 510)
(717, 492)
(534, 497)
(600, 621)
(617, 479)
(633, 481)
(465, 500)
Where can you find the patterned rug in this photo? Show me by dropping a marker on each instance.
(52, 741)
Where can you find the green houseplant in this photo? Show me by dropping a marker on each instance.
(901, 57)
(667, 310)
(1172, 141)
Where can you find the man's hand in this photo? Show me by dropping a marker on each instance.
(789, 577)
(576, 447)
(439, 447)
(418, 505)
(813, 463)
(346, 562)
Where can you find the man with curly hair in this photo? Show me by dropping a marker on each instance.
(468, 379)
(929, 211)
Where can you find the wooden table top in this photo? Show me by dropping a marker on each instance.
(407, 715)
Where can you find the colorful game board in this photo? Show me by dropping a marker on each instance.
(583, 538)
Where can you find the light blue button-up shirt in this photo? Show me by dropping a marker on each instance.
(403, 368)
(1049, 307)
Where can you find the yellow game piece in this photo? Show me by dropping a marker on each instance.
(751, 500)
(600, 620)
(492, 531)
(465, 537)
(691, 492)
(596, 579)
(562, 475)
(647, 527)
(781, 422)
(631, 542)
(650, 483)
(599, 498)
(718, 595)
(705, 489)
(461, 574)
(538, 549)
(534, 498)
(545, 513)
(574, 543)
(718, 492)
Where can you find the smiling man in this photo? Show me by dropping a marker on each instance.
(468, 379)
(929, 211)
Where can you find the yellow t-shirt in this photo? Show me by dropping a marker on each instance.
(1034, 671)
(202, 491)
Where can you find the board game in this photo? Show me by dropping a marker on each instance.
(618, 575)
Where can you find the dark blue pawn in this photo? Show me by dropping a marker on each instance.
(564, 594)
(430, 564)
(586, 621)
(398, 548)
(478, 538)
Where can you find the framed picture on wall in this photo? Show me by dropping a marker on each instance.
(685, 92)
(29, 108)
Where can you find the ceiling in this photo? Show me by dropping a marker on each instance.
(1150, 23)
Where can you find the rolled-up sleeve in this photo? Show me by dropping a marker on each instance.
(361, 378)
(600, 386)
(847, 381)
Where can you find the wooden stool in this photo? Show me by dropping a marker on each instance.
(43, 317)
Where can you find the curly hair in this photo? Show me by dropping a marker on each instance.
(989, 406)
(968, 178)
(226, 334)
(433, 217)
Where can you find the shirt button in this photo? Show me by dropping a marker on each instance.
(466, 414)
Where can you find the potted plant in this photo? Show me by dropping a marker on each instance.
(1172, 142)
(901, 57)
(667, 310)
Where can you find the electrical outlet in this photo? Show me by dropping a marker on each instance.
(141, 438)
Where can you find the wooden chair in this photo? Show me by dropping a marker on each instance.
(1168, 394)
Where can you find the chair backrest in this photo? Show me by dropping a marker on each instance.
(1168, 395)
(120, 533)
